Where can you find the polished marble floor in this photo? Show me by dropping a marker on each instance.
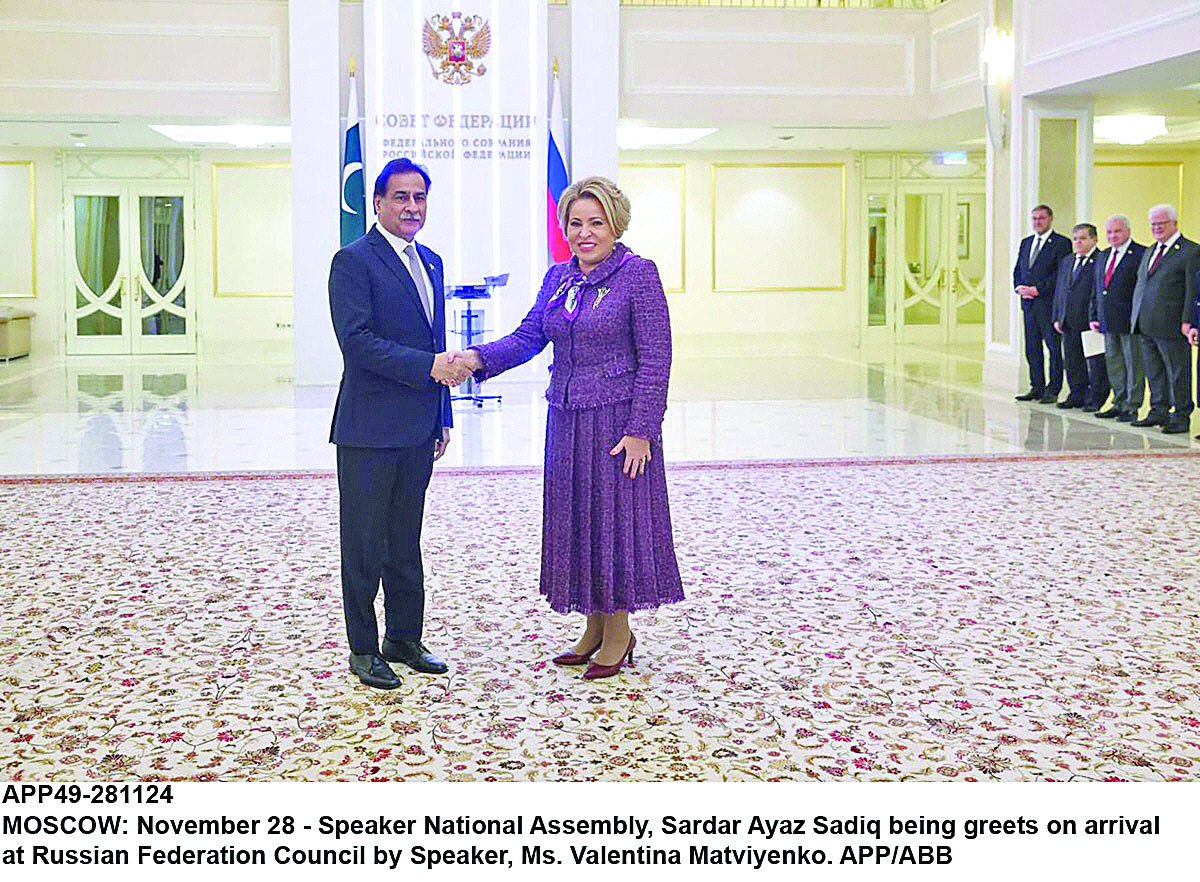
(139, 414)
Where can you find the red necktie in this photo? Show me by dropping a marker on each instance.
(1162, 249)
(1112, 266)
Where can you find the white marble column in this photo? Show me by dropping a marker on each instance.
(595, 87)
(316, 178)
(1004, 355)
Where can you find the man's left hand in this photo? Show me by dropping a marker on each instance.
(439, 447)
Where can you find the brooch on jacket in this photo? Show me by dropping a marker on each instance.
(601, 293)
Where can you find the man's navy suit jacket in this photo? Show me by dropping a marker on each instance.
(386, 398)
(1073, 292)
(1111, 307)
(1044, 273)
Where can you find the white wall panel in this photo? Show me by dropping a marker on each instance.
(665, 63)
(18, 229)
(684, 64)
(252, 229)
(657, 231)
(954, 54)
(98, 56)
(779, 227)
(1068, 42)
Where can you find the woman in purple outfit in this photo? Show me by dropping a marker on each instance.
(606, 526)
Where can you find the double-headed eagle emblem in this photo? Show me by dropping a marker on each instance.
(453, 45)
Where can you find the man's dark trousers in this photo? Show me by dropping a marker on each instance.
(1039, 330)
(382, 492)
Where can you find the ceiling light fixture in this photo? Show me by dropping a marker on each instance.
(236, 135)
(634, 137)
(1130, 128)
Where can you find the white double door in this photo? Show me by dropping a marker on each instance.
(129, 269)
(935, 294)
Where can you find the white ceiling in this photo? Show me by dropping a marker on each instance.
(102, 133)
(1170, 88)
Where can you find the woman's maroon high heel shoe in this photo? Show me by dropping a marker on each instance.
(576, 658)
(598, 672)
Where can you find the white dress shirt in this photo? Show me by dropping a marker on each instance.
(1120, 253)
(1038, 243)
(398, 244)
(1163, 246)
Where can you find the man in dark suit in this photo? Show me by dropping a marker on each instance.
(1034, 276)
(1163, 300)
(1112, 301)
(391, 421)
(1191, 329)
(1072, 295)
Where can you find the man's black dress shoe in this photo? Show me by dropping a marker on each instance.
(1149, 420)
(1048, 399)
(414, 654)
(1030, 396)
(1111, 413)
(1175, 427)
(1068, 404)
(1127, 417)
(373, 671)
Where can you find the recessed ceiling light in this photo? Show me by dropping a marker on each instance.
(80, 143)
(637, 137)
(236, 135)
(1130, 128)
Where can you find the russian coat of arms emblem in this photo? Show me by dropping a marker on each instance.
(455, 45)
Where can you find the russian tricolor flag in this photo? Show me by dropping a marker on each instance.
(557, 178)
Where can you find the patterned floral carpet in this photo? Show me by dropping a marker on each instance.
(999, 618)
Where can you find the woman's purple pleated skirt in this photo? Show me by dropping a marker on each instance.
(606, 540)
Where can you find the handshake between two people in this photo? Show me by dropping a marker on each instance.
(452, 368)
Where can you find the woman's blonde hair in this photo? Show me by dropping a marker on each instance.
(614, 202)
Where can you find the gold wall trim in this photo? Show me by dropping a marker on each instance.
(217, 166)
(1165, 163)
(682, 215)
(32, 224)
(716, 167)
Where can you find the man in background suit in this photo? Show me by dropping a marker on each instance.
(1191, 329)
(1034, 276)
(1112, 301)
(1163, 301)
(391, 421)
(1072, 295)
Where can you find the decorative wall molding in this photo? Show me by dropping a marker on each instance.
(1133, 26)
(636, 39)
(219, 170)
(935, 85)
(272, 36)
(715, 213)
(13, 252)
(681, 168)
(78, 166)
